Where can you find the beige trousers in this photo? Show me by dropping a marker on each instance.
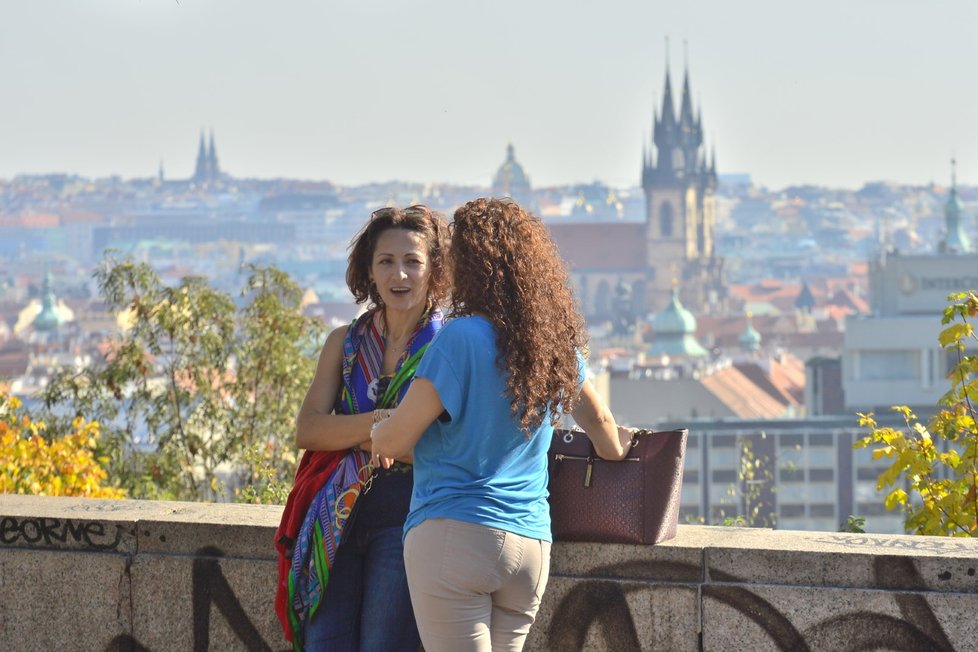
(474, 587)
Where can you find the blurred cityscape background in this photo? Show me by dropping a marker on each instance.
(745, 312)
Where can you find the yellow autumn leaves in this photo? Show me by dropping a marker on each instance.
(932, 475)
(65, 465)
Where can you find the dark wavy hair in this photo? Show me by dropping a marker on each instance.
(433, 229)
(506, 268)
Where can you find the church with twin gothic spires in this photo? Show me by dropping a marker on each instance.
(680, 185)
(674, 246)
(207, 172)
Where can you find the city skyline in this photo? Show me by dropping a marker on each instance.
(835, 94)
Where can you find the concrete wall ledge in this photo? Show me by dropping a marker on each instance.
(138, 575)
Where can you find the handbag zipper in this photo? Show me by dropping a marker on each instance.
(560, 457)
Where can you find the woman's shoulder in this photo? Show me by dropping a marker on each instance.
(336, 336)
(464, 332)
(468, 324)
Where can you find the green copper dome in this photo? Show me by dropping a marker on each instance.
(674, 330)
(48, 319)
(750, 339)
(674, 319)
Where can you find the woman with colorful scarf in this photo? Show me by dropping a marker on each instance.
(342, 583)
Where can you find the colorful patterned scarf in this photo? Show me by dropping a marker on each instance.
(321, 532)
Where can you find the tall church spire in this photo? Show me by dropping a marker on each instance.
(686, 115)
(665, 135)
(668, 105)
(679, 182)
(690, 129)
(200, 170)
(213, 169)
(687, 118)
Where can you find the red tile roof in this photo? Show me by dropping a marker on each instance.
(742, 396)
(783, 380)
(827, 291)
(32, 221)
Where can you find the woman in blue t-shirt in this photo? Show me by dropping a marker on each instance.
(479, 418)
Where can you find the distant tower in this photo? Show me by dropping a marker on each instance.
(200, 171)
(511, 181)
(48, 318)
(213, 170)
(680, 199)
(805, 301)
(207, 172)
(955, 240)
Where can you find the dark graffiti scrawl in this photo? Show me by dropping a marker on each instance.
(125, 643)
(595, 602)
(918, 544)
(591, 602)
(34, 532)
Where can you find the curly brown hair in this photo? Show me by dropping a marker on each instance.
(506, 268)
(433, 228)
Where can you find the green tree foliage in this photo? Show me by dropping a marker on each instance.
(854, 524)
(196, 390)
(749, 498)
(932, 474)
(755, 477)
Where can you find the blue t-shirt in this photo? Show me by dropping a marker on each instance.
(478, 466)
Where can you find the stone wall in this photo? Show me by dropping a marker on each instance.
(79, 574)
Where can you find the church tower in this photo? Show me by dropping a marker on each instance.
(213, 169)
(680, 201)
(955, 240)
(207, 172)
(200, 170)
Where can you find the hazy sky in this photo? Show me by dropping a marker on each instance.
(831, 92)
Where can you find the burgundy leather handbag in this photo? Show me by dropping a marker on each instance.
(632, 501)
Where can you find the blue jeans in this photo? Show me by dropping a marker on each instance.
(367, 607)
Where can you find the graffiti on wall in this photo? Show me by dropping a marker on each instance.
(602, 604)
(593, 606)
(59, 532)
(912, 544)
